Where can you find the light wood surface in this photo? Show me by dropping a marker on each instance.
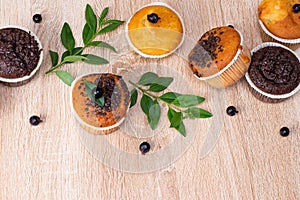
(250, 160)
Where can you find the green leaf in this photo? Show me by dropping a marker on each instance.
(67, 37)
(102, 45)
(176, 119)
(147, 78)
(87, 34)
(187, 100)
(91, 18)
(103, 15)
(160, 84)
(77, 51)
(108, 28)
(146, 104)
(171, 113)
(169, 97)
(65, 77)
(89, 87)
(54, 57)
(197, 113)
(181, 129)
(94, 60)
(154, 115)
(133, 97)
(74, 58)
(112, 21)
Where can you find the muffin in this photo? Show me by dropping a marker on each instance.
(220, 57)
(155, 31)
(274, 72)
(93, 117)
(280, 22)
(20, 55)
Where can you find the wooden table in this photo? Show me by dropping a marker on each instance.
(250, 160)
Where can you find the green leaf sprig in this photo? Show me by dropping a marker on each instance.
(180, 106)
(94, 26)
(89, 88)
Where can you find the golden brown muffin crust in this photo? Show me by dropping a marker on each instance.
(279, 18)
(214, 51)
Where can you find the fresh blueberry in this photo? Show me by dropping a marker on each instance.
(35, 120)
(231, 111)
(296, 8)
(153, 18)
(284, 131)
(37, 18)
(98, 93)
(144, 147)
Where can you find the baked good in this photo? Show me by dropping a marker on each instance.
(220, 57)
(93, 117)
(20, 55)
(274, 72)
(280, 21)
(156, 30)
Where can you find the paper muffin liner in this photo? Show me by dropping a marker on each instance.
(13, 82)
(267, 36)
(93, 129)
(234, 71)
(149, 55)
(261, 95)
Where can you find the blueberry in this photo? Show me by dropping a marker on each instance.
(98, 92)
(296, 8)
(231, 111)
(284, 131)
(37, 18)
(35, 120)
(153, 18)
(230, 26)
(144, 147)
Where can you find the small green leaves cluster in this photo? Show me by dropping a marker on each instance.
(89, 88)
(94, 26)
(180, 106)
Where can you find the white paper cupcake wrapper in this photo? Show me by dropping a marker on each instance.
(148, 55)
(88, 127)
(271, 96)
(234, 71)
(24, 79)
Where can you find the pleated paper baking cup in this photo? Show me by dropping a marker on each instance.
(234, 71)
(25, 79)
(264, 96)
(90, 128)
(160, 30)
(267, 36)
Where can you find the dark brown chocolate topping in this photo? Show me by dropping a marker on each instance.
(19, 53)
(275, 70)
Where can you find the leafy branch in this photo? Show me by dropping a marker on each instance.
(94, 26)
(180, 106)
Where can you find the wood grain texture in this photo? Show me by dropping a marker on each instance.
(250, 161)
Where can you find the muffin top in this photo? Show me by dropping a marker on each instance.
(274, 70)
(116, 98)
(280, 18)
(19, 53)
(214, 51)
(155, 30)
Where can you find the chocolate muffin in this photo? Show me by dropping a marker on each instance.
(274, 71)
(220, 57)
(93, 117)
(20, 54)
